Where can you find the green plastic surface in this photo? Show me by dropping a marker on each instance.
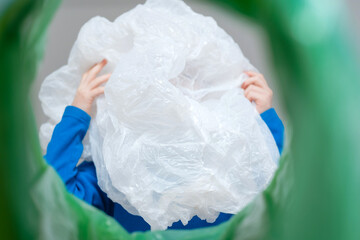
(315, 193)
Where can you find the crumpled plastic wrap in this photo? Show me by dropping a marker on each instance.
(173, 136)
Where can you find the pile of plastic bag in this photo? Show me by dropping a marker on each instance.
(173, 136)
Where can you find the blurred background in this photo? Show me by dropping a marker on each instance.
(73, 14)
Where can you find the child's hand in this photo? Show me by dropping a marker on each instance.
(257, 90)
(90, 87)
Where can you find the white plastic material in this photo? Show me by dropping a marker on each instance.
(173, 136)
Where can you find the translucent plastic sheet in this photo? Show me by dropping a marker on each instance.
(315, 193)
(174, 121)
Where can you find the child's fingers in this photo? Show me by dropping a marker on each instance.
(98, 91)
(253, 88)
(253, 96)
(256, 74)
(84, 76)
(93, 72)
(251, 73)
(99, 80)
(254, 93)
(253, 81)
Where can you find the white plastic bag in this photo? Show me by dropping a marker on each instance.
(173, 136)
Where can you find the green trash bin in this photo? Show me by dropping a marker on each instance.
(315, 193)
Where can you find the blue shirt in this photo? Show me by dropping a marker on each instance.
(65, 150)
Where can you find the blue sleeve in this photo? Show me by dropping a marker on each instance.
(276, 127)
(64, 152)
